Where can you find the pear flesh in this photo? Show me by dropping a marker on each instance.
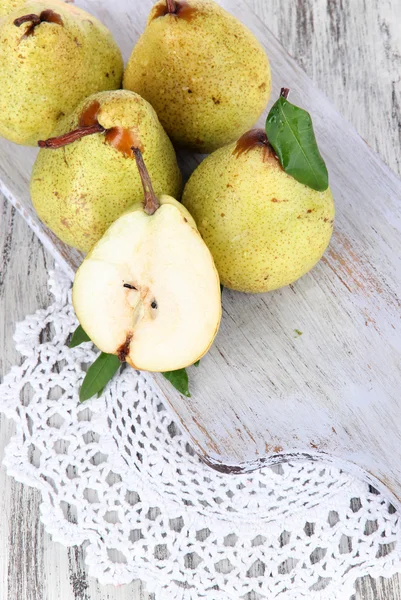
(149, 291)
(78, 190)
(203, 71)
(49, 64)
(264, 228)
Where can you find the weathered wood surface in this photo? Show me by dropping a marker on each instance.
(353, 52)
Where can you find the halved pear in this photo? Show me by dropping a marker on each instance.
(149, 291)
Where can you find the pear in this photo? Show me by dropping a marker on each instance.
(149, 291)
(203, 71)
(264, 228)
(52, 56)
(86, 177)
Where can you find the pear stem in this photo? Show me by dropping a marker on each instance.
(151, 203)
(284, 92)
(32, 18)
(47, 16)
(171, 6)
(70, 137)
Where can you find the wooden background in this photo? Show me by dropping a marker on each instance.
(352, 50)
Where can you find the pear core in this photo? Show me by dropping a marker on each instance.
(149, 291)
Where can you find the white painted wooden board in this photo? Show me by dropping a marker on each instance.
(377, 131)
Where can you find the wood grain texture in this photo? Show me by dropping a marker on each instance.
(352, 50)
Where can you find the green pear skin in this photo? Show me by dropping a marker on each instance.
(45, 75)
(263, 228)
(80, 189)
(203, 71)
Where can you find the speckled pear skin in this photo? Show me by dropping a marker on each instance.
(45, 75)
(207, 77)
(8, 6)
(79, 190)
(264, 228)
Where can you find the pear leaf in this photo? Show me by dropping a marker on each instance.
(99, 374)
(179, 379)
(290, 132)
(78, 337)
(106, 366)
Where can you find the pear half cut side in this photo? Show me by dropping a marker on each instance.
(149, 291)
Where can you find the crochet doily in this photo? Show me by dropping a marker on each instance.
(117, 474)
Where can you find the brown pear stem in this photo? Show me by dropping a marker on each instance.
(284, 92)
(34, 19)
(47, 16)
(70, 137)
(171, 6)
(151, 203)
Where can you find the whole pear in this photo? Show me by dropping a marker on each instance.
(52, 56)
(86, 177)
(203, 71)
(264, 228)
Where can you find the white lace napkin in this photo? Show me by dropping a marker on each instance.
(117, 473)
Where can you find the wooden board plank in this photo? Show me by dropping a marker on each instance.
(256, 391)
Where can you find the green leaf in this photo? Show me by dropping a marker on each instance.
(179, 379)
(196, 364)
(289, 130)
(98, 375)
(78, 337)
